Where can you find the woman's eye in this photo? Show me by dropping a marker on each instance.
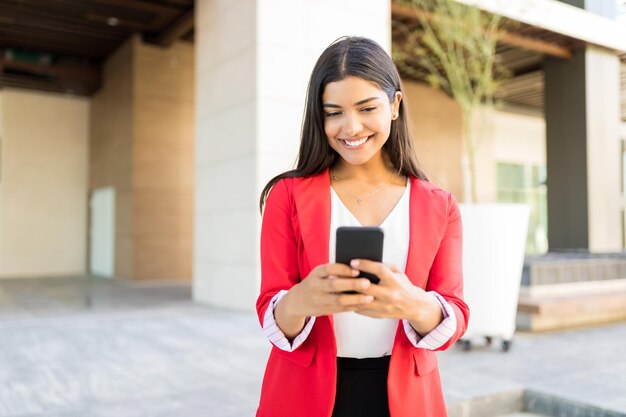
(368, 109)
(332, 114)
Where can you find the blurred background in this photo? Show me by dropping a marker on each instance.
(136, 136)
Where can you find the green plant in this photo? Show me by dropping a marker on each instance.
(454, 49)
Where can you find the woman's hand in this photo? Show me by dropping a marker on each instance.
(396, 297)
(320, 293)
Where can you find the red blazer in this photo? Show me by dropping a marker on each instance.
(294, 239)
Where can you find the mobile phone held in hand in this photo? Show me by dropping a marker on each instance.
(360, 243)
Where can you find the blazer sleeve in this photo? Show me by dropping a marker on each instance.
(446, 273)
(279, 250)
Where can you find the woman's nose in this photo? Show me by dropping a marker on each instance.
(353, 125)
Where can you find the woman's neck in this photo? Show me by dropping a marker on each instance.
(375, 170)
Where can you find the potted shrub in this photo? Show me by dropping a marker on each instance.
(454, 49)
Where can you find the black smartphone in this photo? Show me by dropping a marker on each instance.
(360, 243)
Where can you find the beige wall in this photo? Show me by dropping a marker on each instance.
(436, 125)
(504, 137)
(43, 184)
(142, 144)
(521, 138)
(163, 156)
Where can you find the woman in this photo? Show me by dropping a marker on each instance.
(368, 353)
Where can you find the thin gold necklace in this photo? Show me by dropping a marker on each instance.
(359, 198)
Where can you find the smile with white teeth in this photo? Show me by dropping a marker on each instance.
(355, 142)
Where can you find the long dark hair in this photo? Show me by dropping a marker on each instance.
(357, 57)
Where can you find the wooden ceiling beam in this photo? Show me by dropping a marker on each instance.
(14, 37)
(131, 14)
(138, 5)
(88, 74)
(520, 91)
(54, 86)
(17, 31)
(89, 52)
(51, 21)
(524, 42)
(51, 34)
(176, 30)
(122, 23)
(162, 13)
(64, 78)
(522, 71)
(536, 45)
(180, 3)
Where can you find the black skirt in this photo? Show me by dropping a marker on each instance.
(362, 387)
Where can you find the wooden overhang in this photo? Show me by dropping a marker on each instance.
(521, 49)
(61, 45)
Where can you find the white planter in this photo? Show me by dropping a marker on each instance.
(494, 240)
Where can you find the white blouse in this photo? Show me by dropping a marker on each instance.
(359, 336)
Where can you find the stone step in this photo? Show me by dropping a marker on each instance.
(538, 313)
(574, 288)
(526, 403)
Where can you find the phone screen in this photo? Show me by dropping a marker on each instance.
(360, 243)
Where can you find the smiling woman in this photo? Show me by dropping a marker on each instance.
(343, 346)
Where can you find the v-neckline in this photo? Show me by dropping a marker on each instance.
(395, 207)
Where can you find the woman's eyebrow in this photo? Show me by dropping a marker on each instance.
(358, 103)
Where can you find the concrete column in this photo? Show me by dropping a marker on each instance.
(583, 146)
(583, 151)
(253, 61)
(604, 150)
(566, 152)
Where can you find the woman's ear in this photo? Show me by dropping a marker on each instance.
(395, 105)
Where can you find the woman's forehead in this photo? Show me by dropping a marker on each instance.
(352, 90)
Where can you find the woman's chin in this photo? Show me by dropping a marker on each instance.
(361, 158)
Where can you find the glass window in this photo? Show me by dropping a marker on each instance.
(527, 184)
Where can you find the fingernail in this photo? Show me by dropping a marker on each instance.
(354, 263)
(332, 277)
(368, 298)
(365, 283)
(355, 273)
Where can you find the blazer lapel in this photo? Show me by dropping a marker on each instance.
(312, 199)
(412, 261)
(426, 219)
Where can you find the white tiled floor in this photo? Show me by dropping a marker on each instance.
(78, 347)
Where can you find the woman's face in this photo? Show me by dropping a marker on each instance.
(357, 118)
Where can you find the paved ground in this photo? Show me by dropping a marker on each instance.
(79, 347)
